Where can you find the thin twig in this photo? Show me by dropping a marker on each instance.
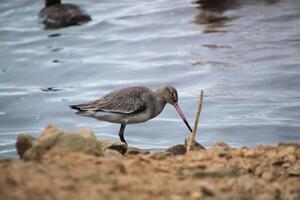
(193, 136)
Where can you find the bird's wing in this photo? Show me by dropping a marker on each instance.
(126, 101)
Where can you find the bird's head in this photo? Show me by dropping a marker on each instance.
(170, 96)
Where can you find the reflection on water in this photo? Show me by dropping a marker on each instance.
(212, 14)
(246, 58)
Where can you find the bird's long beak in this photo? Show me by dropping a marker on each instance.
(182, 116)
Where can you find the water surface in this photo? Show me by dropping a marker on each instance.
(243, 54)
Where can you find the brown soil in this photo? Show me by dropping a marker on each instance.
(220, 172)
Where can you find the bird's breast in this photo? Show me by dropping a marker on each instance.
(110, 117)
(139, 117)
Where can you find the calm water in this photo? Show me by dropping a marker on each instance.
(244, 54)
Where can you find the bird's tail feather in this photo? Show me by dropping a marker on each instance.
(80, 111)
(75, 107)
(84, 106)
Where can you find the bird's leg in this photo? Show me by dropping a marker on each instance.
(121, 133)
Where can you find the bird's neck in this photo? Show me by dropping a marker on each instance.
(160, 102)
(51, 2)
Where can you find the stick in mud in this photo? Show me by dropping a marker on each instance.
(193, 136)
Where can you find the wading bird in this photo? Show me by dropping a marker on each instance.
(131, 105)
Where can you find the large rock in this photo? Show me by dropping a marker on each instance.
(64, 142)
(54, 138)
(52, 130)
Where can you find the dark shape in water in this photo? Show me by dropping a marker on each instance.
(57, 15)
(57, 61)
(56, 49)
(4, 69)
(50, 89)
(212, 14)
(219, 6)
(54, 35)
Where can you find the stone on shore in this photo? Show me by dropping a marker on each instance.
(24, 142)
(195, 146)
(178, 149)
(54, 139)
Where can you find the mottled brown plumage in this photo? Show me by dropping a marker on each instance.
(126, 101)
(130, 105)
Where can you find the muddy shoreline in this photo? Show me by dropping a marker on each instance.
(63, 165)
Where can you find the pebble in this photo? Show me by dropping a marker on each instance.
(178, 149)
(267, 175)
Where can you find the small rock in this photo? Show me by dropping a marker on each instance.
(295, 170)
(178, 149)
(286, 151)
(291, 158)
(87, 133)
(294, 173)
(206, 191)
(220, 144)
(247, 183)
(112, 153)
(50, 131)
(267, 175)
(24, 142)
(250, 153)
(174, 197)
(246, 166)
(195, 145)
(239, 152)
(278, 161)
(258, 171)
(196, 195)
(185, 173)
(114, 145)
(286, 165)
(159, 155)
(222, 149)
(135, 151)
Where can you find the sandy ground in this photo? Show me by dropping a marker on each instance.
(59, 170)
